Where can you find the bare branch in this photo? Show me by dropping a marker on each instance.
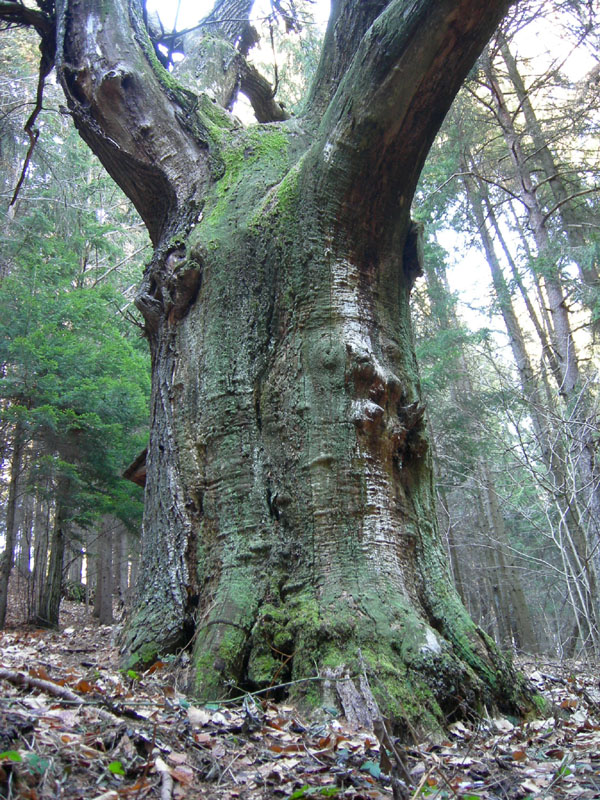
(564, 200)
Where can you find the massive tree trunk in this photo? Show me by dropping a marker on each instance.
(289, 528)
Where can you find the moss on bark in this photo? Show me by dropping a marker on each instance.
(289, 524)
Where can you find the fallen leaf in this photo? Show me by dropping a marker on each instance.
(83, 686)
(183, 774)
(198, 717)
(177, 758)
(156, 666)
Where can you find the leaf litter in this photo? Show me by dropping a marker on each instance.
(73, 726)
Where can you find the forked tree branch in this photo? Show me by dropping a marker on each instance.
(390, 103)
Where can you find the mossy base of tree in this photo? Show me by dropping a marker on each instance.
(340, 655)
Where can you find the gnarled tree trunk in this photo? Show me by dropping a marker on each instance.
(289, 526)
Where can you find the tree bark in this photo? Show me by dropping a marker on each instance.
(561, 333)
(105, 579)
(51, 591)
(518, 617)
(289, 524)
(7, 559)
(40, 553)
(569, 211)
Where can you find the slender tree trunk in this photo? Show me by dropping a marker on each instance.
(104, 583)
(40, 553)
(567, 209)
(51, 591)
(494, 601)
(580, 449)
(548, 354)
(134, 564)
(91, 562)
(26, 535)
(520, 618)
(7, 558)
(121, 562)
(563, 337)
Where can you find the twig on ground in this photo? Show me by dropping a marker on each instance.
(166, 790)
(422, 782)
(53, 689)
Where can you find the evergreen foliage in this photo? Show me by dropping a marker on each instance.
(74, 379)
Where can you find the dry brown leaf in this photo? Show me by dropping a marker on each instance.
(89, 752)
(83, 686)
(39, 672)
(287, 748)
(569, 703)
(503, 725)
(183, 774)
(532, 785)
(156, 666)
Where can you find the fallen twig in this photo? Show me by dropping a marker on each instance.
(53, 689)
(166, 789)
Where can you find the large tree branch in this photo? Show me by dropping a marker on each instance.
(259, 92)
(379, 127)
(348, 22)
(149, 133)
(230, 19)
(18, 14)
(217, 64)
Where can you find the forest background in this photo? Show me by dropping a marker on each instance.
(509, 373)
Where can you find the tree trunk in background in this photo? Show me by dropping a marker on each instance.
(518, 612)
(134, 565)
(568, 210)
(104, 581)
(51, 591)
(91, 561)
(446, 524)
(561, 333)
(577, 490)
(41, 535)
(26, 536)
(7, 558)
(75, 571)
(121, 561)
(550, 442)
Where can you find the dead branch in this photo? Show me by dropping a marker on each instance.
(53, 689)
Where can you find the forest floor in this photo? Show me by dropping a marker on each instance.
(73, 726)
